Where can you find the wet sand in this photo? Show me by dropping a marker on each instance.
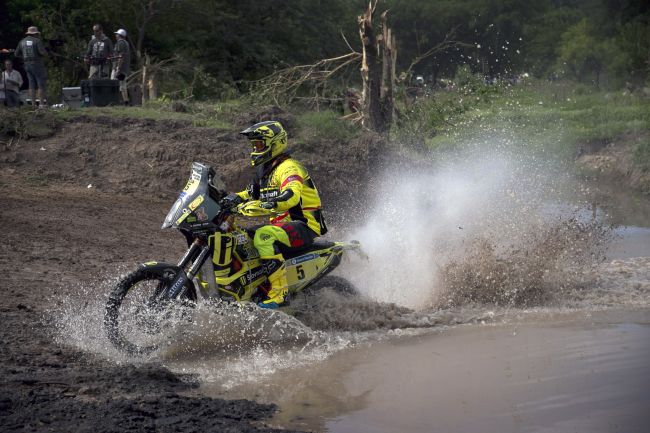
(553, 372)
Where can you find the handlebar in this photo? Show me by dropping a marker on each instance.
(252, 208)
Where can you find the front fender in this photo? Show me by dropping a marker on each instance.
(169, 272)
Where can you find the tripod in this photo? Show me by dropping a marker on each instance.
(4, 89)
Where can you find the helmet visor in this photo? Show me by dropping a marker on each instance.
(258, 145)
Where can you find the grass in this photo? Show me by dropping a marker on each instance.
(27, 123)
(324, 125)
(211, 115)
(542, 116)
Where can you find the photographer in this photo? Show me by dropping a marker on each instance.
(32, 51)
(11, 82)
(97, 55)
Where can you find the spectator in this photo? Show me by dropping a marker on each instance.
(122, 62)
(11, 82)
(32, 51)
(99, 50)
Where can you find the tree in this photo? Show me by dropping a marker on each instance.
(377, 71)
(584, 54)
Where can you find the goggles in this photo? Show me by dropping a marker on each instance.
(258, 145)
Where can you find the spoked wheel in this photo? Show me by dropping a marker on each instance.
(137, 314)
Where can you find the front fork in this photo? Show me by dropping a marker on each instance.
(197, 253)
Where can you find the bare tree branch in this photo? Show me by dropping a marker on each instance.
(347, 43)
(445, 44)
(285, 85)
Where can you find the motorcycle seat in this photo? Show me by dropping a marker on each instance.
(290, 253)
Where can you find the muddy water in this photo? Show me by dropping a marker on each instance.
(553, 372)
(579, 363)
(583, 366)
(631, 214)
(630, 242)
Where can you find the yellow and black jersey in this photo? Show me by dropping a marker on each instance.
(304, 205)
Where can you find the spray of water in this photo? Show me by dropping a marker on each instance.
(476, 226)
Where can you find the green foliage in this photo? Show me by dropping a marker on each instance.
(324, 125)
(634, 43)
(211, 115)
(550, 119)
(430, 115)
(542, 37)
(223, 45)
(585, 55)
(27, 123)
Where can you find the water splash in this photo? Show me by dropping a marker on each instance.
(430, 223)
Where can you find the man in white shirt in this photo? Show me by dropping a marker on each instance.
(11, 82)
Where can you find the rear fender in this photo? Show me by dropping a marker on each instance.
(353, 246)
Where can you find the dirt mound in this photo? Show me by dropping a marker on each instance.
(615, 161)
(126, 155)
(153, 158)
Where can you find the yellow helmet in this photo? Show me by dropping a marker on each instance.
(269, 139)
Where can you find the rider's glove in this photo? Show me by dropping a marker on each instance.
(270, 305)
(230, 201)
(267, 205)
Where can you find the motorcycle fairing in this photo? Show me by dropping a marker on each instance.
(194, 209)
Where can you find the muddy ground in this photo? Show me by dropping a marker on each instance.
(615, 161)
(83, 203)
(76, 206)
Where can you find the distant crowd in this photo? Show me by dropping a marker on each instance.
(104, 59)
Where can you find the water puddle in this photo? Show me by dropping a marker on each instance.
(628, 242)
(582, 372)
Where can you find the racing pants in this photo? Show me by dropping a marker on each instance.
(270, 240)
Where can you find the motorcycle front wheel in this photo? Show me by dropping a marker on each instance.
(138, 314)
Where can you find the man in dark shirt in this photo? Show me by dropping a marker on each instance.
(32, 50)
(121, 62)
(99, 50)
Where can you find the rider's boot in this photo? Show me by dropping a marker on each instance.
(278, 280)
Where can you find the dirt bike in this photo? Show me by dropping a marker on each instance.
(220, 263)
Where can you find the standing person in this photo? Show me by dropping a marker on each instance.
(11, 82)
(99, 50)
(122, 63)
(282, 184)
(32, 50)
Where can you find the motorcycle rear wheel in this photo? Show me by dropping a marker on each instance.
(136, 312)
(332, 282)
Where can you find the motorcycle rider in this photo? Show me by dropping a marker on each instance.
(282, 184)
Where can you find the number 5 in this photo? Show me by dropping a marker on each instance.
(301, 272)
